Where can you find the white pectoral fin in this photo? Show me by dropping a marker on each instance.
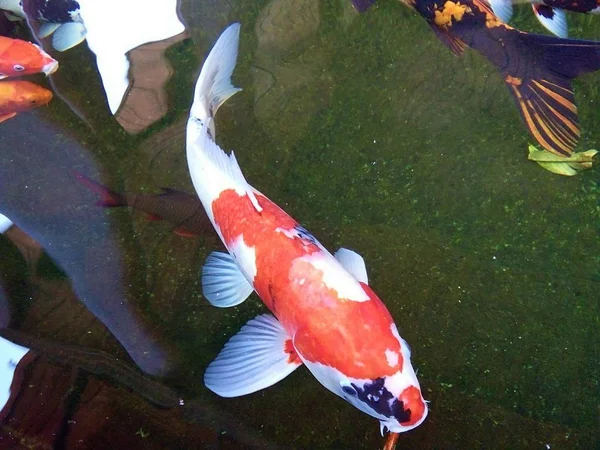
(223, 284)
(353, 263)
(47, 28)
(260, 355)
(68, 35)
(502, 8)
(554, 19)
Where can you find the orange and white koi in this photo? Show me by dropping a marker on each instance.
(19, 57)
(324, 314)
(19, 96)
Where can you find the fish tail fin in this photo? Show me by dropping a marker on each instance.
(214, 86)
(108, 198)
(543, 92)
(210, 167)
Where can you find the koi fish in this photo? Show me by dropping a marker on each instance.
(537, 69)
(19, 57)
(550, 13)
(324, 314)
(177, 207)
(59, 18)
(19, 96)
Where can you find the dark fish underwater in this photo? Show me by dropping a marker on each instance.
(177, 207)
(537, 69)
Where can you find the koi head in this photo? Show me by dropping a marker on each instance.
(395, 400)
(19, 57)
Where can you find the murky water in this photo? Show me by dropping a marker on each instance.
(368, 131)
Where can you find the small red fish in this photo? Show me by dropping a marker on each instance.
(177, 207)
(19, 96)
(19, 57)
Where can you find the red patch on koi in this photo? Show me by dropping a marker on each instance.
(349, 335)
(411, 397)
(293, 357)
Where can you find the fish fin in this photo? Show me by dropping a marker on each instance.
(260, 355)
(214, 86)
(184, 232)
(5, 223)
(47, 28)
(227, 164)
(503, 9)
(543, 91)
(12, 17)
(7, 116)
(353, 263)
(456, 45)
(68, 35)
(152, 217)
(223, 284)
(553, 19)
(547, 108)
(108, 198)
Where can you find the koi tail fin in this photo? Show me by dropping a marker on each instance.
(108, 198)
(214, 86)
(211, 169)
(542, 86)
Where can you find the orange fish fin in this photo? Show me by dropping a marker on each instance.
(184, 232)
(456, 45)
(549, 112)
(7, 116)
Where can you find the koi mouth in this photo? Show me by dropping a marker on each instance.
(50, 68)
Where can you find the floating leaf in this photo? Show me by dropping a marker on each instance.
(562, 165)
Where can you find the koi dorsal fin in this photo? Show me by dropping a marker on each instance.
(353, 263)
(226, 164)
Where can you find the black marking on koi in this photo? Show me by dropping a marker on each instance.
(378, 398)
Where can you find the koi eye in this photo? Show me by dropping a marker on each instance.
(349, 389)
(18, 68)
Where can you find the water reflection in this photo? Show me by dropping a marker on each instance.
(54, 395)
(490, 264)
(41, 196)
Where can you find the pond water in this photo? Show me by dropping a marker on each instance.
(367, 130)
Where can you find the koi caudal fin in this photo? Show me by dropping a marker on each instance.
(214, 83)
(539, 77)
(211, 169)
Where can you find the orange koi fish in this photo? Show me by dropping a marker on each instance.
(324, 313)
(19, 57)
(19, 96)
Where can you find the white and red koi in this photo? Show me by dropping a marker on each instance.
(324, 313)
